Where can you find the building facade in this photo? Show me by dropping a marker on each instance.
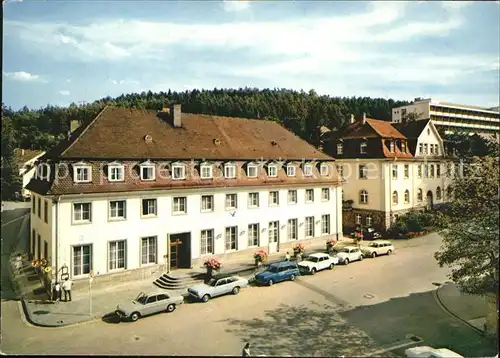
(26, 159)
(450, 117)
(136, 191)
(387, 173)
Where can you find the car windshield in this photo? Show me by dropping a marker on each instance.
(345, 250)
(312, 259)
(212, 282)
(273, 269)
(372, 244)
(141, 298)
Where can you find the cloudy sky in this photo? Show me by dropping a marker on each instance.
(60, 52)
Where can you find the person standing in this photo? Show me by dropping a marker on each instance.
(246, 350)
(287, 256)
(67, 284)
(57, 292)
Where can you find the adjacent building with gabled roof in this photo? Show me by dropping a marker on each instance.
(25, 160)
(388, 170)
(137, 190)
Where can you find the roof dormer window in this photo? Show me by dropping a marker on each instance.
(82, 173)
(178, 171)
(392, 146)
(340, 148)
(206, 171)
(116, 172)
(272, 170)
(308, 170)
(290, 170)
(362, 147)
(252, 170)
(230, 171)
(147, 170)
(324, 169)
(403, 146)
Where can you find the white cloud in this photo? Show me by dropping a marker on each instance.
(125, 82)
(64, 93)
(68, 80)
(236, 5)
(22, 76)
(455, 5)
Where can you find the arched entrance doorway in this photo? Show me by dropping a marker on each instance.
(430, 202)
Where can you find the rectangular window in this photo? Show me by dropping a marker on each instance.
(82, 260)
(33, 204)
(391, 146)
(39, 247)
(206, 171)
(309, 195)
(340, 148)
(292, 229)
(438, 170)
(148, 250)
(272, 171)
(253, 200)
(207, 203)
(420, 148)
(425, 148)
(82, 174)
(117, 209)
(46, 211)
(357, 219)
(290, 170)
(369, 220)
(325, 224)
(116, 173)
(253, 235)
(274, 232)
(274, 198)
(432, 170)
(324, 169)
(39, 208)
(81, 212)
(363, 172)
(325, 194)
(178, 172)
(308, 170)
(207, 242)
(147, 172)
(230, 171)
(149, 207)
(436, 149)
(231, 201)
(116, 255)
(33, 242)
(45, 250)
(419, 170)
(432, 149)
(394, 171)
(426, 170)
(340, 170)
(231, 238)
(180, 205)
(407, 171)
(252, 171)
(362, 148)
(292, 196)
(309, 226)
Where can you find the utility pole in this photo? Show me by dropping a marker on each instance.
(91, 278)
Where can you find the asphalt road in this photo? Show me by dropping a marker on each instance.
(354, 310)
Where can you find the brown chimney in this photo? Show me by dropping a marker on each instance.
(22, 151)
(175, 112)
(73, 126)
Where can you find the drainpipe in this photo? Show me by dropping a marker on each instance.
(58, 199)
(337, 211)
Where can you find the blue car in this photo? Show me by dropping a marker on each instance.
(277, 272)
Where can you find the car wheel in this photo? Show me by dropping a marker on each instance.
(135, 316)
(331, 266)
(313, 271)
(361, 257)
(171, 308)
(236, 290)
(389, 252)
(205, 298)
(292, 278)
(346, 262)
(374, 254)
(270, 282)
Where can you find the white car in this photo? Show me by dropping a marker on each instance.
(218, 287)
(429, 352)
(377, 248)
(349, 254)
(317, 262)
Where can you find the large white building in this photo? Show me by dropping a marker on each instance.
(26, 159)
(135, 191)
(451, 117)
(388, 172)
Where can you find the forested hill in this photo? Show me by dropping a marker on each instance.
(301, 112)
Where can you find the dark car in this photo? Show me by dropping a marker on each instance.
(368, 234)
(277, 272)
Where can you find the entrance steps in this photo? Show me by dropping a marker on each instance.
(175, 282)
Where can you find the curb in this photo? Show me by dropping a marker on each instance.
(444, 308)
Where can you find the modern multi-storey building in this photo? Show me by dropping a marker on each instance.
(449, 117)
(388, 172)
(134, 191)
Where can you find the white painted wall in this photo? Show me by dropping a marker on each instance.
(28, 175)
(422, 108)
(41, 227)
(101, 230)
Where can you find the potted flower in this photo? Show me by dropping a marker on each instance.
(260, 256)
(212, 264)
(330, 243)
(298, 250)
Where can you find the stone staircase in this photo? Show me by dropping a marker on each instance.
(176, 282)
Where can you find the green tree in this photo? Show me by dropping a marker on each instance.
(470, 228)
(11, 182)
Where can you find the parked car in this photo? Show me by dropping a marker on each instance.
(218, 287)
(377, 248)
(349, 254)
(368, 234)
(429, 352)
(317, 262)
(277, 272)
(148, 304)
